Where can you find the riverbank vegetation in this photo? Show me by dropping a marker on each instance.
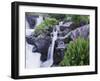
(76, 53)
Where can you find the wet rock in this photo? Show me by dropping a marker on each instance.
(58, 52)
(82, 23)
(32, 21)
(30, 39)
(41, 46)
(65, 25)
(80, 32)
(58, 56)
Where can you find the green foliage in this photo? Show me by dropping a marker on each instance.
(77, 19)
(50, 22)
(46, 24)
(59, 17)
(76, 53)
(80, 18)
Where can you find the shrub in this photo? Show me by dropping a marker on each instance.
(59, 17)
(76, 53)
(77, 19)
(46, 24)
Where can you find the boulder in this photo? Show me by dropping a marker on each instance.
(41, 46)
(58, 52)
(30, 39)
(82, 31)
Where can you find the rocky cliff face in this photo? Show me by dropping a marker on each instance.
(82, 31)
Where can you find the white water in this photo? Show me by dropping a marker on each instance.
(33, 59)
(39, 20)
(49, 61)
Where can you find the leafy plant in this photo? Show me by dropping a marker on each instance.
(59, 17)
(45, 25)
(80, 18)
(76, 53)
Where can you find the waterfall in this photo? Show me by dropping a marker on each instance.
(32, 59)
(39, 20)
(27, 24)
(49, 60)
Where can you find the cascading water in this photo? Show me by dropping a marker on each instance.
(39, 20)
(32, 59)
(49, 60)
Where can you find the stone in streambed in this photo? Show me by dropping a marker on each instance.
(41, 46)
